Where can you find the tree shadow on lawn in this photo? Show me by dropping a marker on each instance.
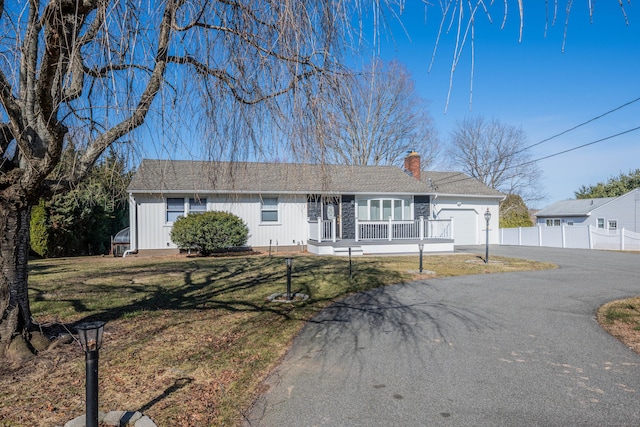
(229, 285)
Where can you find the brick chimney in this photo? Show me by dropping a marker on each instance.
(412, 164)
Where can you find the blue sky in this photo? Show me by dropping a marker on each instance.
(533, 84)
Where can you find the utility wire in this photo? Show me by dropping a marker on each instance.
(579, 125)
(579, 146)
(445, 181)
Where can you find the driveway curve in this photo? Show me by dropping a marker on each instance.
(512, 349)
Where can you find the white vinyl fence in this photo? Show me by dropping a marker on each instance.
(571, 236)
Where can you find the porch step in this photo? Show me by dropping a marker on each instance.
(344, 250)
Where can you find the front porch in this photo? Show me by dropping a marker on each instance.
(381, 237)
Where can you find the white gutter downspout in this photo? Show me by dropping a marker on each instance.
(133, 227)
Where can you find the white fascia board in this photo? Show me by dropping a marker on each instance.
(471, 196)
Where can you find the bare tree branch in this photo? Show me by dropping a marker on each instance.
(140, 112)
(371, 117)
(492, 152)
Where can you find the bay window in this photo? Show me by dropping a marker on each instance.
(383, 209)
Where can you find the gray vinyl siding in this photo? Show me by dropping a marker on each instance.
(625, 209)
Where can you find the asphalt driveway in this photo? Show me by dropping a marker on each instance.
(514, 349)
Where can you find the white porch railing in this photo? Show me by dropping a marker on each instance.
(419, 229)
(440, 229)
(322, 230)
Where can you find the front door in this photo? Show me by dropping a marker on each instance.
(330, 210)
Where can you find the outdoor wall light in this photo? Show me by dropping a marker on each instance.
(289, 263)
(90, 335)
(487, 218)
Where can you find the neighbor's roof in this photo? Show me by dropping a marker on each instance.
(174, 176)
(573, 207)
(456, 183)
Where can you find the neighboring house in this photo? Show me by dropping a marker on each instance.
(325, 209)
(609, 213)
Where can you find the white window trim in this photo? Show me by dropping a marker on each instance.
(186, 207)
(609, 224)
(188, 204)
(277, 210)
(553, 222)
(604, 223)
(166, 208)
(406, 202)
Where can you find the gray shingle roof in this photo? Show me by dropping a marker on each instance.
(175, 176)
(573, 207)
(456, 183)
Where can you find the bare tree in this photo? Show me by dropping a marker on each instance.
(372, 117)
(100, 68)
(495, 154)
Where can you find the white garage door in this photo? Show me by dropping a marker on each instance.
(465, 225)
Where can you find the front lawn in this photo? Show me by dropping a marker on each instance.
(188, 341)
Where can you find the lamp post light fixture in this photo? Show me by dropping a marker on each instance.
(421, 247)
(90, 335)
(487, 218)
(289, 263)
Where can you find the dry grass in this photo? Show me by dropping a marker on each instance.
(188, 341)
(622, 320)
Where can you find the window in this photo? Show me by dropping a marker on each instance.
(553, 222)
(363, 210)
(197, 206)
(613, 224)
(397, 208)
(269, 209)
(374, 213)
(384, 209)
(600, 223)
(175, 208)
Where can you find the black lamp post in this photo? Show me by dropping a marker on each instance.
(90, 335)
(487, 218)
(289, 263)
(421, 247)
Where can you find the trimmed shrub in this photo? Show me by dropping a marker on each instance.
(210, 232)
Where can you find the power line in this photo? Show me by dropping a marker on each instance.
(444, 181)
(579, 125)
(580, 146)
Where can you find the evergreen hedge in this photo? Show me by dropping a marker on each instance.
(210, 232)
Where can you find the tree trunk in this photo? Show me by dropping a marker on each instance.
(14, 252)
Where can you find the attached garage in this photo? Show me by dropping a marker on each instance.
(465, 225)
